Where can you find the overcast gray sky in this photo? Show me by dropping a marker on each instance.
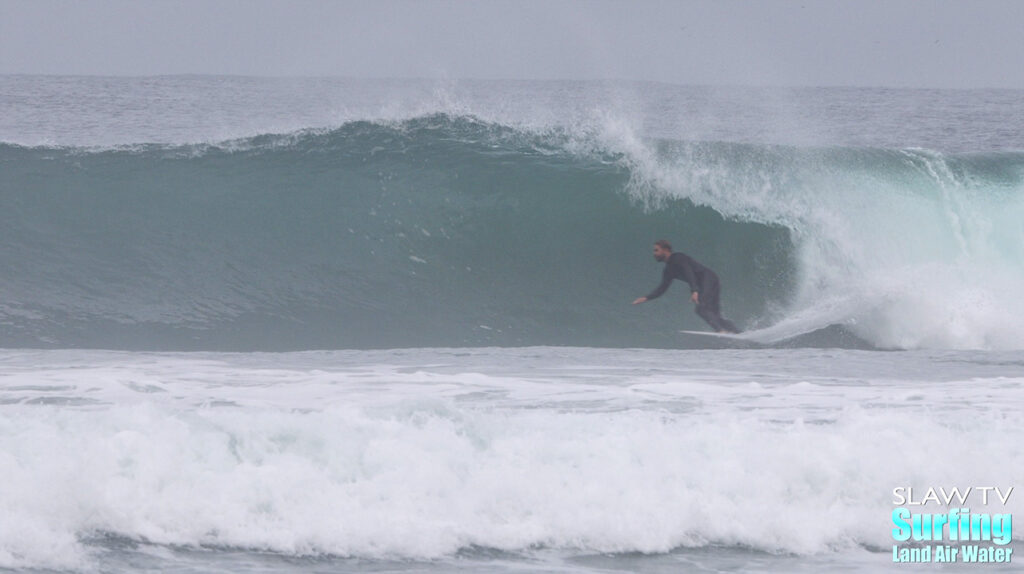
(912, 43)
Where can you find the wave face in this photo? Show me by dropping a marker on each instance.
(445, 230)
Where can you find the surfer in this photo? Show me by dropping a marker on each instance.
(704, 285)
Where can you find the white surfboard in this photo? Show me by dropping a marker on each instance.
(715, 334)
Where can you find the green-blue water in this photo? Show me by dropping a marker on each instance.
(451, 231)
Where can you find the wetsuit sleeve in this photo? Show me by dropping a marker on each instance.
(666, 280)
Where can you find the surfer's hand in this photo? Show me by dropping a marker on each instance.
(695, 297)
(640, 300)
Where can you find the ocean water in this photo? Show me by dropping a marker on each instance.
(314, 325)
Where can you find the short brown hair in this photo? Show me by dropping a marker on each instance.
(664, 244)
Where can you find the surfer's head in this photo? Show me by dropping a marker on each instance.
(662, 249)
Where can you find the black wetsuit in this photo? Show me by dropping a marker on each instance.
(703, 281)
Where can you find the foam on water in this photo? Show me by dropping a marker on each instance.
(420, 454)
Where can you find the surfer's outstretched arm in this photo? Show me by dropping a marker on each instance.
(666, 281)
